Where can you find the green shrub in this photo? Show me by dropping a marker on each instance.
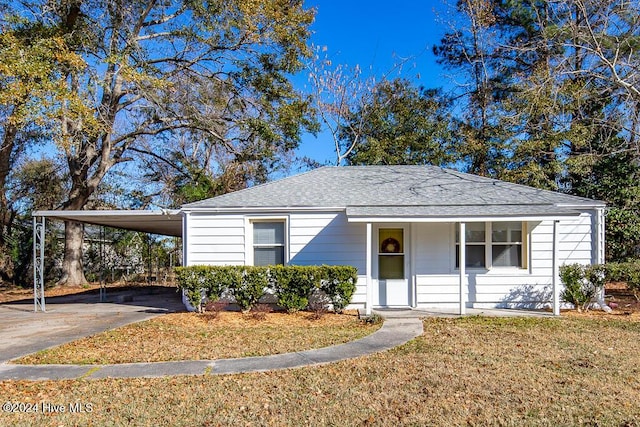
(202, 283)
(339, 284)
(578, 289)
(596, 277)
(250, 285)
(633, 279)
(192, 281)
(216, 280)
(292, 286)
(584, 283)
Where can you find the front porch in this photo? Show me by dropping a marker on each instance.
(411, 313)
(444, 267)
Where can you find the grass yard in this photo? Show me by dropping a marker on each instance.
(579, 370)
(189, 336)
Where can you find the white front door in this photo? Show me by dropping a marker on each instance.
(393, 267)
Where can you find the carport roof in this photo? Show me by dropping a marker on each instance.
(165, 222)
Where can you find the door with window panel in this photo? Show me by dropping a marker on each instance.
(393, 286)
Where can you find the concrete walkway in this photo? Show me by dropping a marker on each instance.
(73, 317)
(393, 332)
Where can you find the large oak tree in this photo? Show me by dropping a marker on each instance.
(153, 70)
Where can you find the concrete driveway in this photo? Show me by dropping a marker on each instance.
(23, 331)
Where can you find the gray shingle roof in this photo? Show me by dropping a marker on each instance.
(427, 190)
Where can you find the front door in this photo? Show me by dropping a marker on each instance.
(393, 283)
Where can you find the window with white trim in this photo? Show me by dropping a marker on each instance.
(268, 242)
(506, 244)
(492, 244)
(475, 249)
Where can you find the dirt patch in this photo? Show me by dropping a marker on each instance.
(621, 298)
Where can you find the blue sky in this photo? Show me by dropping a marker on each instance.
(375, 35)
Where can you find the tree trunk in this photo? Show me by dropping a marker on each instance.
(6, 218)
(72, 269)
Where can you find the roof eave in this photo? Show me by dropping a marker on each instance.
(262, 209)
(444, 218)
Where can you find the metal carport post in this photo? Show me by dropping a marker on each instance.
(39, 236)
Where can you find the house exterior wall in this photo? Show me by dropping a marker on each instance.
(328, 238)
(437, 278)
(214, 239)
(315, 238)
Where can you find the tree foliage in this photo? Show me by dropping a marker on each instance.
(551, 88)
(31, 93)
(402, 124)
(471, 50)
(148, 69)
(339, 92)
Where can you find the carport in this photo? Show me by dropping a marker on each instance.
(167, 222)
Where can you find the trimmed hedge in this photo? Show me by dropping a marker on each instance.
(583, 283)
(292, 285)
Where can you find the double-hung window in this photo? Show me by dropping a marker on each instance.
(492, 244)
(506, 244)
(268, 242)
(475, 249)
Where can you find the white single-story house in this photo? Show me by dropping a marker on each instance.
(420, 236)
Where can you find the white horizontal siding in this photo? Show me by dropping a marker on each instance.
(543, 249)
(437, 281)
(436, 289)
(485, 290)
(314, 239)
(525, 291)
(360, 295)
(215, 239)
(576, 244)
(326, 238)
(433, 248)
